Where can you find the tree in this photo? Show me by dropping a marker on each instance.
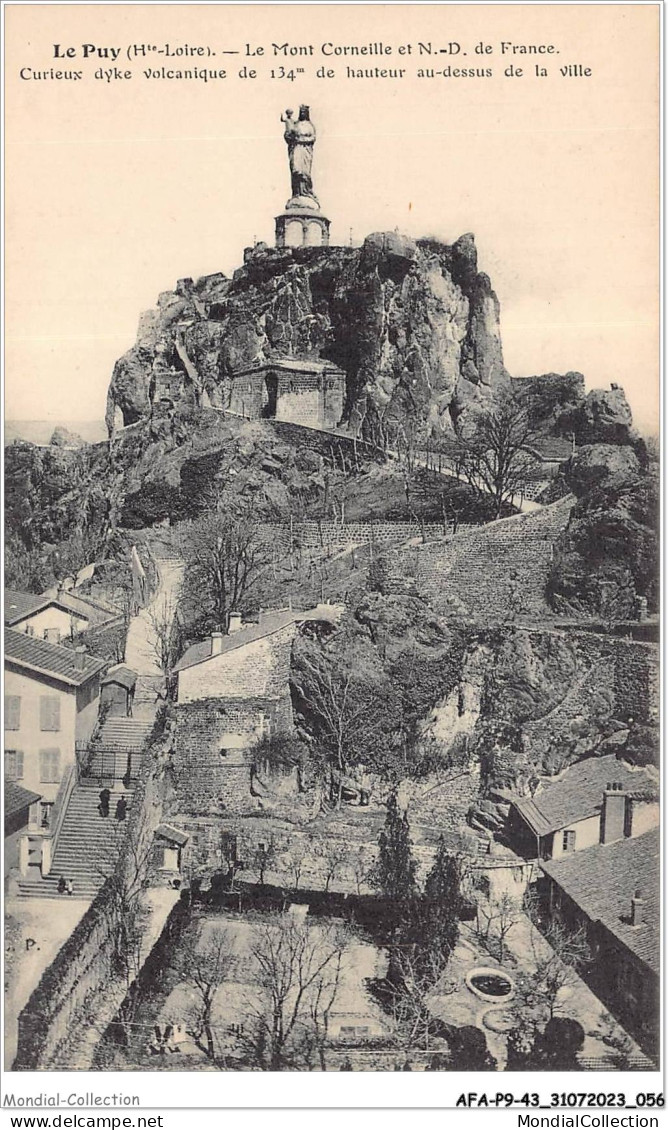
(296, 858)
(494, 458)
(297, 969)
(469, 1051)
(496, 919)
(395, 871)
(347, 703)
(205, 970)
(225, 558)
(334, 855)
(361, 867)
(560, 962)
(423, 943)
(433, 926)
(557, 1047)
(263, 855)
(164, 627)
(559, 956)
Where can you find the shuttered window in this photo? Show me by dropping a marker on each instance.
(13, 765)
(49, 712)
(49, 766)
(12, 712)
(569, 841)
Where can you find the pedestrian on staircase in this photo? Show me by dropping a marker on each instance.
(121, 808)
(103, 807)
(62, 885)
(70, 887)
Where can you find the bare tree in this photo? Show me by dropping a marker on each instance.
(560, 954)
(225, 557)
(494, 458)
(262, 856)
(362, 866)
(352, 711)
(163, 619)
(205, 970)
(335, 858)
(297, 856)
(408, 992)
(298, 969)
(495, 921)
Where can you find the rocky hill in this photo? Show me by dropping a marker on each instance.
(414, 326)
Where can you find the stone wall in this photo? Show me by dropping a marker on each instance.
(328, 536)
(209, 777)
(66, 1004)
(499, 570)
(635, 673)
(248, 395)
(340, 449)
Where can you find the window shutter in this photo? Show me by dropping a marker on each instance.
(49, 766)
(12, 712)
(13, 765)
(49, 707)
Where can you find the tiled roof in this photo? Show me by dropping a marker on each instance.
(270, 623)
(121, 674)
(603, 879)
(18, 798)
(554, 448)
(579, 793)
(94, 610)
(174, 835)
(20, 604)
(60, 663)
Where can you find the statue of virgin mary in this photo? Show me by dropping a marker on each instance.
(300, 138)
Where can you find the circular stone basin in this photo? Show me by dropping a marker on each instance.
(490, 984)
(499, 1020)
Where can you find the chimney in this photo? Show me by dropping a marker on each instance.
(613, 813)
(234, 623)
(217, 642)
(80, 653)
(637, 909)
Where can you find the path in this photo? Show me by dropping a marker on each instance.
(141, 648)
(35, 922)
(524, 506)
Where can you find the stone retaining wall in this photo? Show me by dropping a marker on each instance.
(499, 570)
(329, 536)
(635, 677)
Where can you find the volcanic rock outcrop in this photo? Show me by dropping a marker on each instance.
(413, 324)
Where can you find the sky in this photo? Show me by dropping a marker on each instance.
(117, 189)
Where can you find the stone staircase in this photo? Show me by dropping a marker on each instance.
(87, 848)
(124, 735)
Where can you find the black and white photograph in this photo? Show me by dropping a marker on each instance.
(331, 520)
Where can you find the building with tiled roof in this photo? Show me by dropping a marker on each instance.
(51, 704)
(309, 393)
(53, 615)
(118, 690)
(62, 664)
(241, 635)
(600, 799)
(613, 890)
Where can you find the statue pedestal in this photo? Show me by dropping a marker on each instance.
(302, 227)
